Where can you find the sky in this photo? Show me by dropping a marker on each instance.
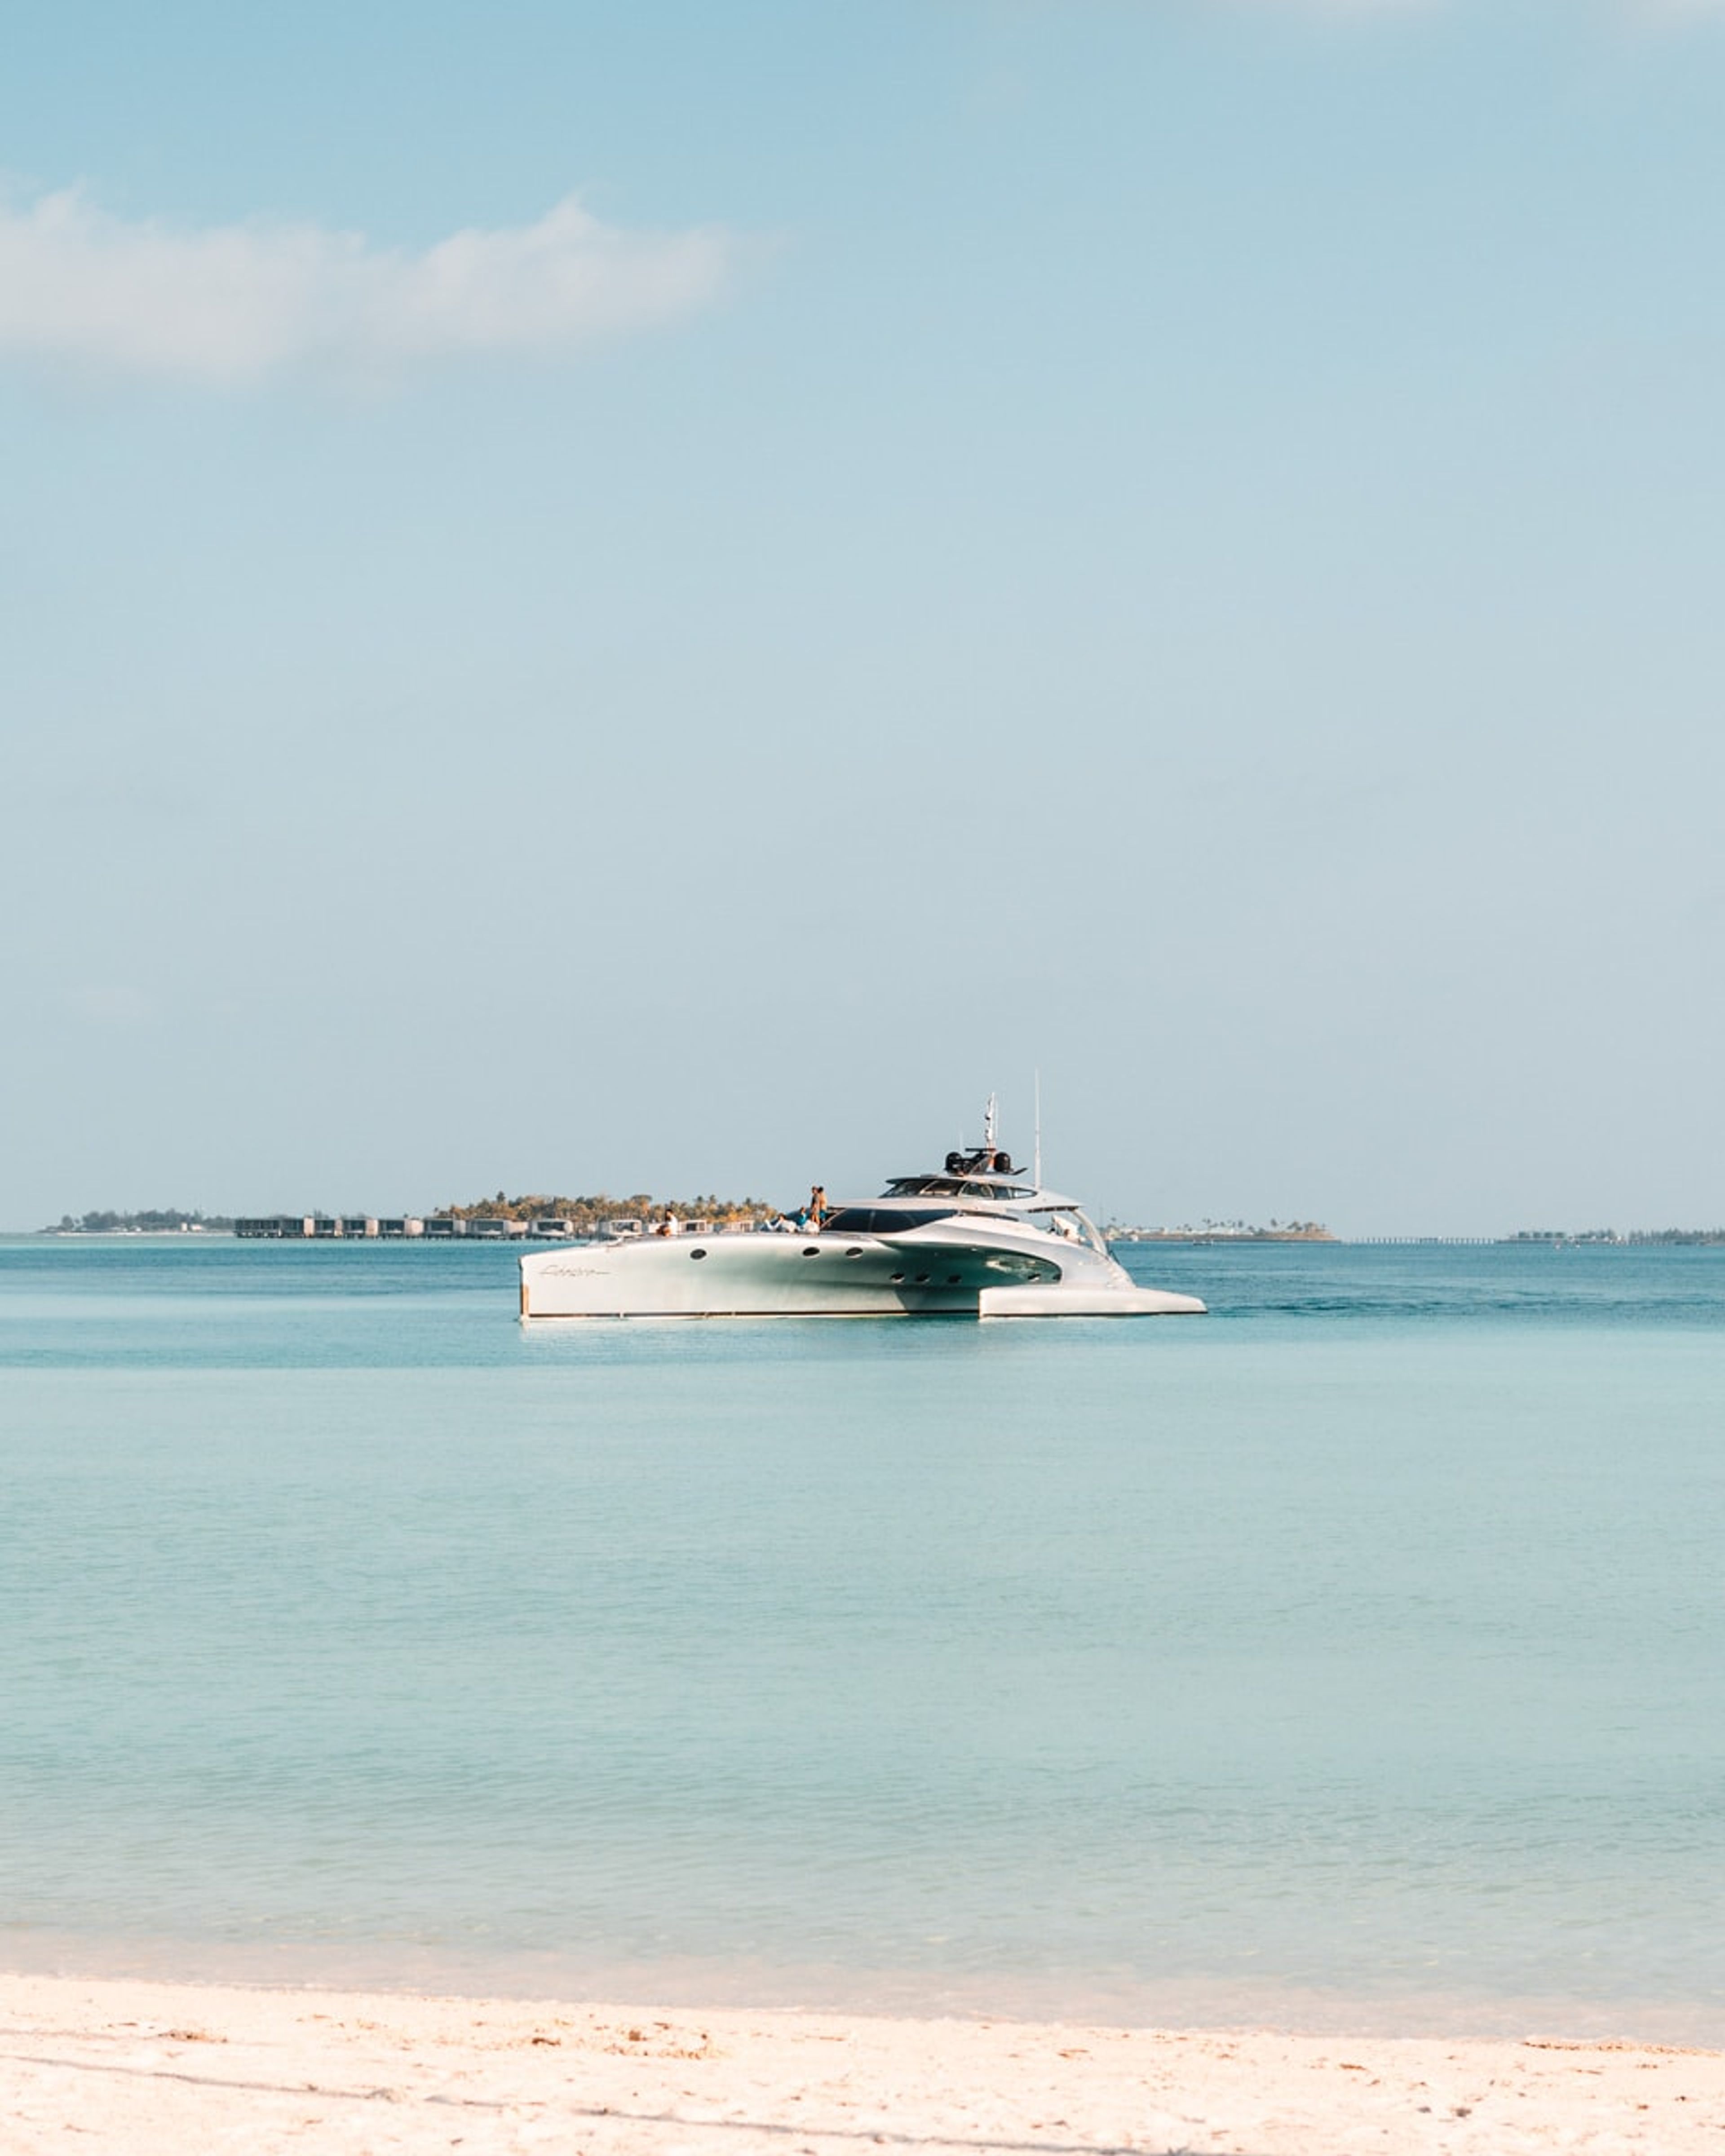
(661, 597)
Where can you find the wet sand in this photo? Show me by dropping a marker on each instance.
(134, 2068)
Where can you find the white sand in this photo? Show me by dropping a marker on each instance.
(141, 2069)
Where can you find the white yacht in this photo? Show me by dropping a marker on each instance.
(976, 1240)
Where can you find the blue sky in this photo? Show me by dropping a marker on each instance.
(659, 598)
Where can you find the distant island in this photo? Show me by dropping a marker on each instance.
(540, 1215)
(571, 1216)
(583, 1215)
(167, 1222)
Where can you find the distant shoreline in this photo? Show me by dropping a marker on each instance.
(1189, 1238)
(1222, 1235)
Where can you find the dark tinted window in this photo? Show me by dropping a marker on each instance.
(883, 1220)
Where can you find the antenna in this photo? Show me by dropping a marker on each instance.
(988, 1124)
(1036, 1160)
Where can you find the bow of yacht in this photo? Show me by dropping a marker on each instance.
(975, 1239)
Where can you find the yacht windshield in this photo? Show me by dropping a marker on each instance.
(957, 1186)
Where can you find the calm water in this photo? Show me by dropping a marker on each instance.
(1363, 1643)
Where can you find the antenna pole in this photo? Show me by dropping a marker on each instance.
(1036, 1163)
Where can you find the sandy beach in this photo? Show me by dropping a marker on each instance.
(134, 2068)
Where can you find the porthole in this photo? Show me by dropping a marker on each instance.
(921, 1279)
(855, 1251)
(953, 1278)
(813, 1251)
(697, 1254)
(897, 1279)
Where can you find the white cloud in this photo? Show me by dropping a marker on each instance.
(236, 304)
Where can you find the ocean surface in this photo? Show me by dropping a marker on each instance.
(1355, 1654)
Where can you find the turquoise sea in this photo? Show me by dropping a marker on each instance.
(1355, 1654)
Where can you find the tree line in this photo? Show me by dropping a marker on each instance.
(148, 1223)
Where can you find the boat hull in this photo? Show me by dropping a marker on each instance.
(1074, 1299)
(829, 1276)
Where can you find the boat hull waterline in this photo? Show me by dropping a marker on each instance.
(825, 1275)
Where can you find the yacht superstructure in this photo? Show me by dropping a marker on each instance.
(975, 1239)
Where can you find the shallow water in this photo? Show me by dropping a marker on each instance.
(1361, 1642)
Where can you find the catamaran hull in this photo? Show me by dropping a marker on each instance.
(1076, 1300)
(775, 1276)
